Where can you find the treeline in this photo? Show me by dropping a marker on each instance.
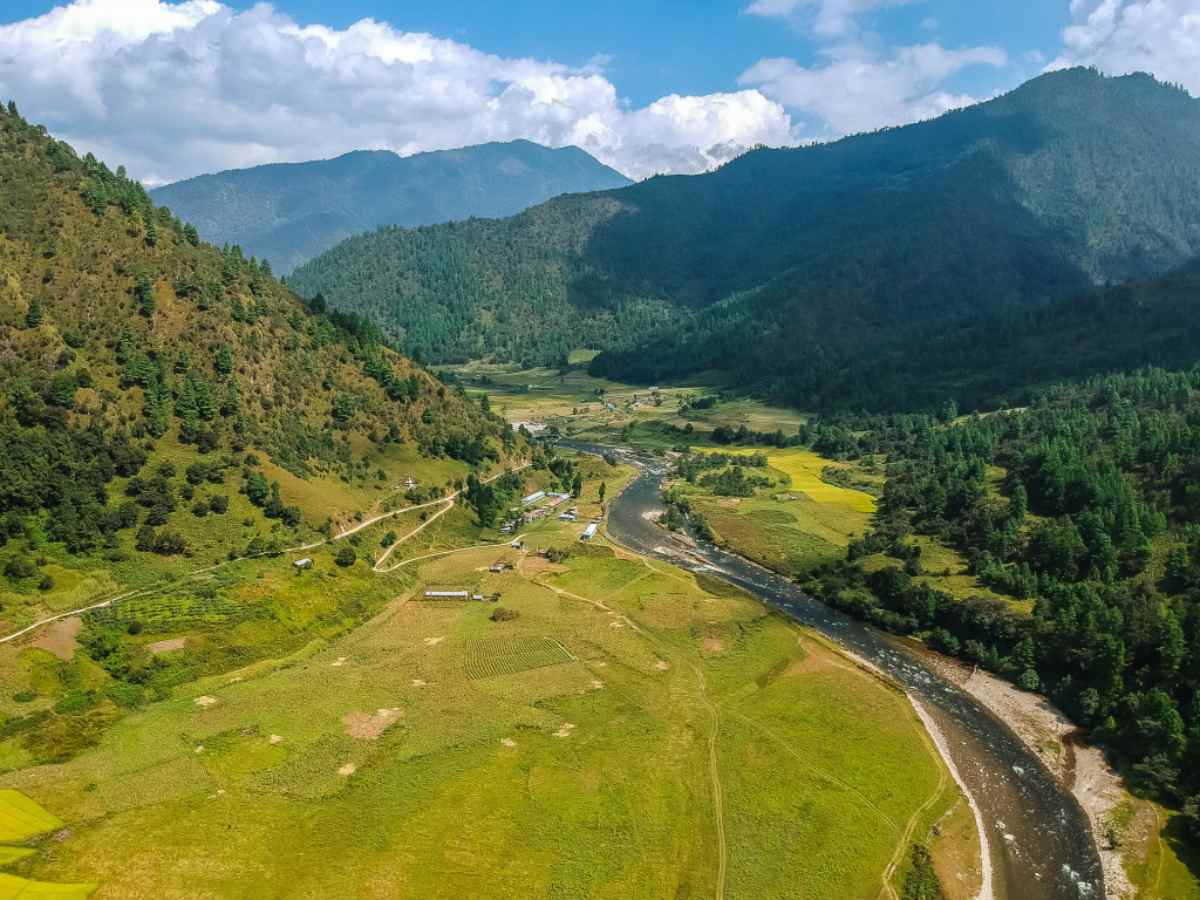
(1086, 504)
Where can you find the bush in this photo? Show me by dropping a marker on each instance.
(346, 557)
(20, 567)
(504, 614)
(218, 503)
(24, 696)
(46, 584)
(388, 539)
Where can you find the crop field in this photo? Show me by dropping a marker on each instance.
(506, 656)
(799, 522)
(575, 749)
(20, 820)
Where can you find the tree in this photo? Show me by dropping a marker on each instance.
(577, 485)
(603, 490)
(33, 315)
(143, 292)
(346, 557)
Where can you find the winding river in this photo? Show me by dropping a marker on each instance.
(1040, 838)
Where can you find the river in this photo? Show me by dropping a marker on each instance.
(1040, 838)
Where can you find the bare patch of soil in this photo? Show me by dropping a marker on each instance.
(206, 701)
(59, 637)
(713, 645)
(564, 730)
(368, 726)
(168, 646)
(433, 641)
(347, 770)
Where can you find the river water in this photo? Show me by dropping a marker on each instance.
(1040, 838)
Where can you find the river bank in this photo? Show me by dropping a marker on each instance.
(1039, 835)
(1080, 767)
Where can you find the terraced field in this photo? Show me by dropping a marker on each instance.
(490, 657)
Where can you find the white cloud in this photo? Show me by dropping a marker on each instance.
(175, 89)
(856, 89)
(827, 18)
(1121, 36)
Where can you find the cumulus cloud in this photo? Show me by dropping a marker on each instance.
(856, 89)
(175, 89)
(1121, 36)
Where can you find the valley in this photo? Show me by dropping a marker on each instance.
(823, 523)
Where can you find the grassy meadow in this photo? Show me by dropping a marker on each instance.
(623, 730)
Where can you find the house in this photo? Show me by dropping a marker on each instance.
(410, 482)
(497, 567)
(567, 517)
(305, 563)
(517, 544)
(477, 597)
(589, 532)
(533, 498)
(446, 595)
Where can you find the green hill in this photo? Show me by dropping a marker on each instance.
(288, 213)
(785, 264)
(161, 399)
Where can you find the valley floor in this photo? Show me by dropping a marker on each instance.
(626, 729)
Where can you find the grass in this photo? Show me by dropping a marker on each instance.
(798, 523)
(580, 766)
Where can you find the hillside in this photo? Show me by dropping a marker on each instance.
(164, 400)
(288, 213)
(786, 263)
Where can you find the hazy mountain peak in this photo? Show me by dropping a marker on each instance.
(288, 212)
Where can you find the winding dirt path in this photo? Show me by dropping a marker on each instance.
(167, 582)
(714, 775)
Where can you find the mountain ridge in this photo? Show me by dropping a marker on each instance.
(781, 256)
(287, 212)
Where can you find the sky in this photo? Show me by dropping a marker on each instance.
(176, 88)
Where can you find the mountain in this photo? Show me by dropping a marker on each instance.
(785, 265)
(1010, 357)
(288, 213)
(132, 350)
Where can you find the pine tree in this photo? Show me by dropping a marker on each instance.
(33, 315)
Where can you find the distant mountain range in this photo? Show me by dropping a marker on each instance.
(290, 212)
(787, 268)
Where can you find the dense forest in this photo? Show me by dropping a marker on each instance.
(1086, 504)
(785, 265)
(290, 212)
(120, 329)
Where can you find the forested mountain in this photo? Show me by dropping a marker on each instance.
(785, 264)
(123, 333)
(987, 361)
(288, 213)
(1085, 504)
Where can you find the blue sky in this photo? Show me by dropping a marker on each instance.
(672, 46)
(176, 87)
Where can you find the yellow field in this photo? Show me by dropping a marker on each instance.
(21, 818)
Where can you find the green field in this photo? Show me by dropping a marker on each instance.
(632, 732)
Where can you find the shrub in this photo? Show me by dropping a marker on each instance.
(19, 567)
(504, 614)
(346, 557)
